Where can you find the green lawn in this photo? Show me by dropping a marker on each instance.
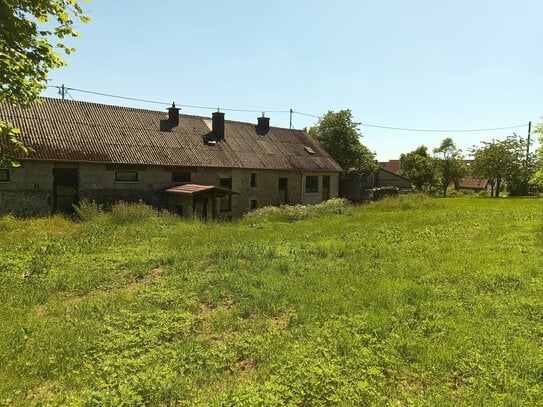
(409, 301)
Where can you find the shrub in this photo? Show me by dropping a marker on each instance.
(462, 192)
(87, 210)
(293, 213)
(128, 212)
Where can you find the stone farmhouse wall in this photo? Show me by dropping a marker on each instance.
(29, 191)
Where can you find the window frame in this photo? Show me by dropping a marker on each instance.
(313, 186)
(7, 173)
(181, 176)
(126, 181)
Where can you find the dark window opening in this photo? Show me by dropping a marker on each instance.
(282, 188)
(4, 175)
(226, 201)
(311, 183)
(126, 176)
(181, 176)
(254, 204)
(253, 180)
(178, 210)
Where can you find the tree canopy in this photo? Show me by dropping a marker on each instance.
(450, 164)
(419, 167)
(338, 134)
(537, 179)
(503, 161)
(32, 35)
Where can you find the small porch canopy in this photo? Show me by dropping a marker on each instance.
(201, 193)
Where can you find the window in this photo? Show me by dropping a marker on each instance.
(126, 176)
(253, 180)
(4, 175)
(181, 176)
(282, 191)
(311, 183)
(254, 204)
(226, 201)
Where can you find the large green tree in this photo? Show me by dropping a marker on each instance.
(537, 179)
(32, 36)
(339, 135)
(450, 164)
(503, 161)
(419, 167)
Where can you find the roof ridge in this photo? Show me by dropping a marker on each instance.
(127, 108)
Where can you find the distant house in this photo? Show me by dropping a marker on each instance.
(474, 184)
(391, 165)
(211, 167)
(381, 182)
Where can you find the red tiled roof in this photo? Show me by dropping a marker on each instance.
(65, 130)
(391, 165)
(473, 183)
(196, 188)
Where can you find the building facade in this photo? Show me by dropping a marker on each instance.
(213, 168)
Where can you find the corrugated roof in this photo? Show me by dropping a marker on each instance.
(473, 183)
(66, 130)
(190, 189)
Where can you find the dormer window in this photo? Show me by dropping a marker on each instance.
(309, 150)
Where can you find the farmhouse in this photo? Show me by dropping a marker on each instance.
(211, 167)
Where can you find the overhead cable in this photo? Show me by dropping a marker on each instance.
(294, 112)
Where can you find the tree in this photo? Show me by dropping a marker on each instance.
(537, 179)
(419, 167)
(450, 164)
(503, 161)
(28, 31)
(340, 137)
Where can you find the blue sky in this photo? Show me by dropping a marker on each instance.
(418, 64)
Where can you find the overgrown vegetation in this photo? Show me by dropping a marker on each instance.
(409, 301)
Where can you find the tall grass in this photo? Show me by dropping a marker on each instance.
(408, 301)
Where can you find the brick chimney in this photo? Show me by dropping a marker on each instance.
(217, 120)
(173, 115)
(263, 126)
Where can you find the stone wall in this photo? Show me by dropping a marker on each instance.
(30, 189)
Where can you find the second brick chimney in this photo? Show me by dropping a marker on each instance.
(263, 126)
(173, 115)
(217, 120)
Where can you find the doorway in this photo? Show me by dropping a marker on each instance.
(199, 207)
(282, 191)
(65, 190)
(325, 187)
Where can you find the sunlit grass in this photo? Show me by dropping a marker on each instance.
(406, 301)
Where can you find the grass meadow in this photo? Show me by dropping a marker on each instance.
(408, 301)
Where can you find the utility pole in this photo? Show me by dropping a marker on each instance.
(528, 143)
(291, 118)
(62, 91)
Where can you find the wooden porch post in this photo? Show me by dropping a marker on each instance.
(213, 205)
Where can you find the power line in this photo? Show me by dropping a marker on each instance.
(443, 130)
(424, 130)
(167, 103)
(65, 90)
